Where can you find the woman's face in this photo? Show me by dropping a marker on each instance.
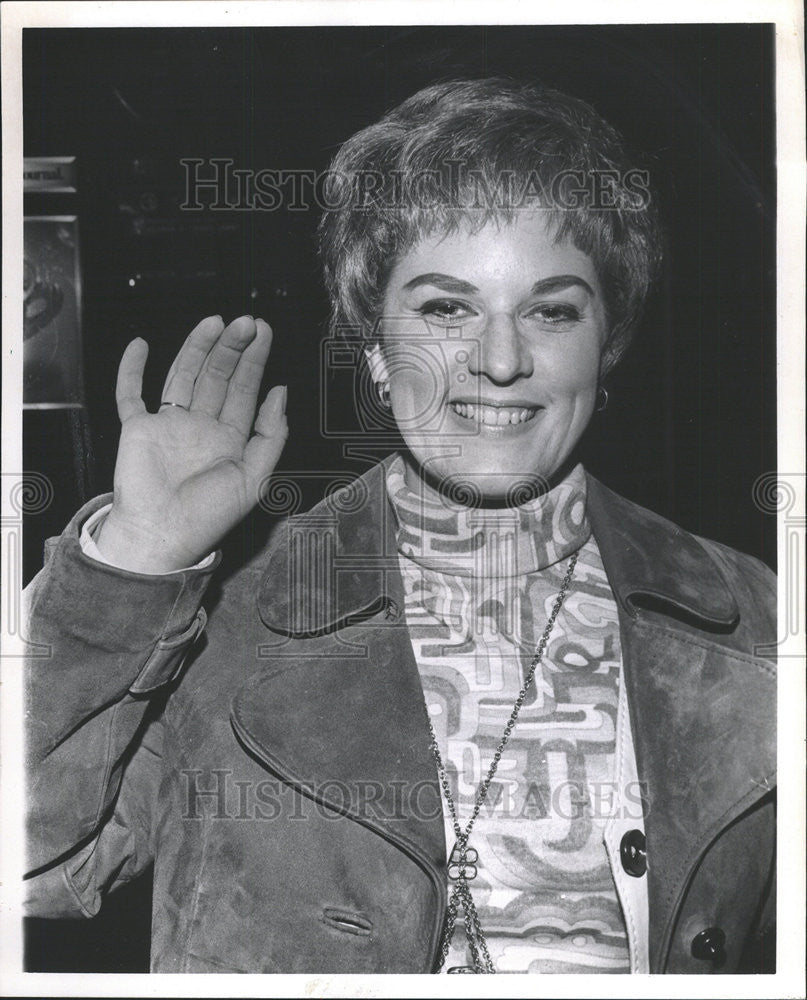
(491, 348)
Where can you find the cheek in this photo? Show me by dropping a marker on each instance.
(576, 370)
(418, 376)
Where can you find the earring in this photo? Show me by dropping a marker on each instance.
(382, 388)
(602, 399)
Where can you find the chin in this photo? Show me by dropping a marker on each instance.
(500, 487)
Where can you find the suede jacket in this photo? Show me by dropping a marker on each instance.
(275, 766)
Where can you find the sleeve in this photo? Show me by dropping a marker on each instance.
(112, 642)
(89, 548)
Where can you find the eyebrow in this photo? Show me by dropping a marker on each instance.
(444, 281)
(450, 284)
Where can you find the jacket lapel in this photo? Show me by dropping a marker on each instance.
(701, 712)
(649, 559)
(345, 675)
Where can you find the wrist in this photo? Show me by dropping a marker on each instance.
(139, 548)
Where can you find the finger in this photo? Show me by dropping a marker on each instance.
(242, 389)
(210, 389)
(264, 447)
(178, 387)
(129, 387)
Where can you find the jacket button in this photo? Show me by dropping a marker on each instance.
(709, 945)
(633, 853)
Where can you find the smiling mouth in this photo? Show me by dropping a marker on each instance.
(495, 416)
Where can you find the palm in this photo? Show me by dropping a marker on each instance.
(187, 474)
(172, 459)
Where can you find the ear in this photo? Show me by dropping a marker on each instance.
(376, 363)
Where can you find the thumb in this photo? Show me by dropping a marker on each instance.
(129, 388)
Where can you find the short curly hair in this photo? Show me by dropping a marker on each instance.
(468, 151)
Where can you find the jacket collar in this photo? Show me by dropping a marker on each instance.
(652, 562)
(335, 565)
(338, 563)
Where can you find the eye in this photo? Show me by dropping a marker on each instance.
(446, 311)
(555, 313)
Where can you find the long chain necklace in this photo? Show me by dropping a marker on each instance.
(462, 863)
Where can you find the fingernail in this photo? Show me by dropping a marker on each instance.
(277, 401)
(285, 396)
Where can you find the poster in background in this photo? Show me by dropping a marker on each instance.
(52, 311)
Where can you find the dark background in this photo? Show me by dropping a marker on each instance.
(690, 423)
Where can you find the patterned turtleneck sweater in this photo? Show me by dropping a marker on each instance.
(480, 585)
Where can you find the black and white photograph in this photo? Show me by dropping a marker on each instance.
(410, 424)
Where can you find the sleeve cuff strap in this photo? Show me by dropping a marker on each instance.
(167, 659)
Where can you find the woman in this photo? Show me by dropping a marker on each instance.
(590, 785)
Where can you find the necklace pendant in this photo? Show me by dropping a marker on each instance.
(462, 867)
(462, 864)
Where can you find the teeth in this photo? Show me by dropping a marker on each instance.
(494, 416)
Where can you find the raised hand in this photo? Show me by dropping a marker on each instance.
(189, 473)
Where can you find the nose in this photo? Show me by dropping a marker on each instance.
(501, 353)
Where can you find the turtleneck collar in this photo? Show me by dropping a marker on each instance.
(441, 534)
